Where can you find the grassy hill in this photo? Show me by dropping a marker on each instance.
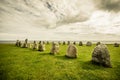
(26, 64)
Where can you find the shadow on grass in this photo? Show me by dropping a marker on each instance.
(90, 66)
(43, 53)
(63, 57)
(3, 75)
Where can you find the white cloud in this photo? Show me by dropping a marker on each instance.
(42, 19)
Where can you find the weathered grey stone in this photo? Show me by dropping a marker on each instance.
(43, 42)
(48, 42)
(55, 48)
(30, 45)
(98, 43)
(71, 51)
(116, 45)
(26, 41)
(89, 43)
(17, 43)
(59, 42)
(41, 47)
(25, 44)
(34, 45)
(40, 42)
(64, 43)
(101, 55)
(74, 43)
(68, 42)
(80, 43)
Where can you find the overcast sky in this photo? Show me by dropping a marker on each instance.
(60, 19)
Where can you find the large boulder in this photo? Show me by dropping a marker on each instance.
(71, 51)
(55, 48)
(100, 55)
(41, 47)
(89, 43)
(80, 43)
(116, 45)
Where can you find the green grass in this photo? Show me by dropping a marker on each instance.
(27, 64)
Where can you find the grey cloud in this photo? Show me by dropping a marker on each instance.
(48, 13)
(110, 5)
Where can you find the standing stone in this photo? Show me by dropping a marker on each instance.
(55, 48)
(17, 43)
(34, 45)
(59, 43)
(64, 43)
(48, 42)
(68, 43)
(74, 43)
(43, 42)
(80, 43)
(41, 47)
(31, 45)
(20, 43)
(26, 40)
(98, 43)
(40, 42)
(89, 43)
(101, 55)
(71, 51)
(116, 45)
(25, 44)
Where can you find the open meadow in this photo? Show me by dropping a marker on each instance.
(26, 64)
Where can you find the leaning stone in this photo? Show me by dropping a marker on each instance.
(116, 45)
(71, 51)
(89, 43)
(101, 55)
(55, 48)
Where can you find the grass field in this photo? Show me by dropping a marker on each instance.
(26, 64)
